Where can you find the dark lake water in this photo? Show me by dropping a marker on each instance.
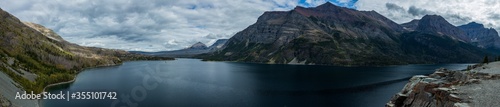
(194, 83)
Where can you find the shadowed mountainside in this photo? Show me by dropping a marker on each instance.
(333, 35)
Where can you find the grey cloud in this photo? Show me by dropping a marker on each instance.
(218, 36)
(394, 7)
(415, 11)
(151, 25)
(494, 16)
(457, 19)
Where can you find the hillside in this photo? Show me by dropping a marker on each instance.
(34, 56)
(481, 36)
(333, 35)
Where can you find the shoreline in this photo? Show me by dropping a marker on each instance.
(470, 63)
(71, 81)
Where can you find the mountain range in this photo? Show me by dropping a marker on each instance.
(333, 35)
(195, 49)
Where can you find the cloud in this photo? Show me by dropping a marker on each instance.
(312, 3)
(393, 7)
(153, 25)
(158, 25)
(418, 11)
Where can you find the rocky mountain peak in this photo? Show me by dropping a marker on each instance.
(472, 25)
(481, 36)
(436, 24)
(434, 17)
(327, 5)
(327, 9)
(198, 45)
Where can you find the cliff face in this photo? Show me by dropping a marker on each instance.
(327, 34)
(481, 36)
(435, 24)
(333, 35)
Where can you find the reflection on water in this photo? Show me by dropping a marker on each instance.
(190, 82)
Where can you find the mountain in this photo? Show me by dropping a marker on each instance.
(327, 34)
(33, 57)
(198, 45)
(435, 24)
(333, 35)
(481, 36)
(195, 49)
(411, 26)
(217, 45)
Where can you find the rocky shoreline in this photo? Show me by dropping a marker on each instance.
(446, 88)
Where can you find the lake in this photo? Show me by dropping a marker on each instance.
(195, 83)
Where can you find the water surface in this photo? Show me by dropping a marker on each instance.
(191, 82)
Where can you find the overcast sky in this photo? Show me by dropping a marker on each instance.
(158, 25)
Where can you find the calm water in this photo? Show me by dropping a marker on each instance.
(191, 82)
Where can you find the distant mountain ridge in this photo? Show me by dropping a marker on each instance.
(193, 50)
(481, 36)
(198, 45)
(333, 35)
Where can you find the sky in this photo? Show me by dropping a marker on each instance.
(161, 25)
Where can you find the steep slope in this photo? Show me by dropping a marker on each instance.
(481, 36)
(34, 56)
(411, 26)
(217, 45)
(435, 24)
(422, 47)
(332, 35)
(327, 34)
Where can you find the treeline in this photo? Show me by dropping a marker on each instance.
(486, 59)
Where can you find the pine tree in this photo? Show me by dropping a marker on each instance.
(485, 60)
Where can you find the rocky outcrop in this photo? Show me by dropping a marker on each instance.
(481, 36)
(440, 89)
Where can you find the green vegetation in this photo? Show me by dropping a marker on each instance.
(52, 61)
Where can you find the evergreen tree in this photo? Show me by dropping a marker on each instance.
(485, 60)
